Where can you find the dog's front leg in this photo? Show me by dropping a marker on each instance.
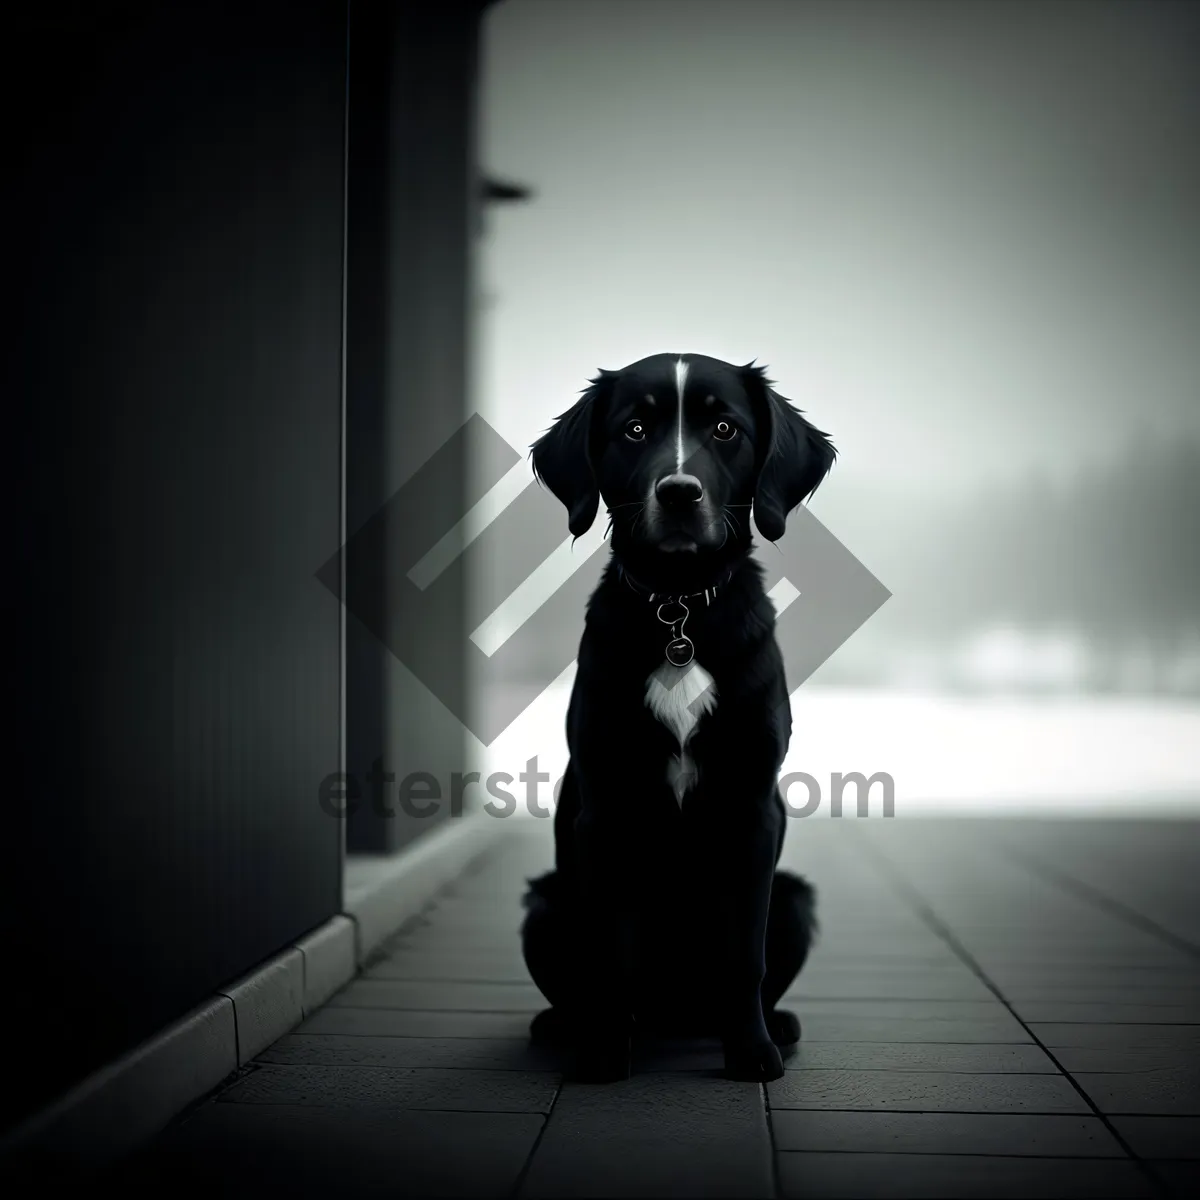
(740, 844)
(607, 911)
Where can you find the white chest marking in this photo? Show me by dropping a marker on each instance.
(678, 697)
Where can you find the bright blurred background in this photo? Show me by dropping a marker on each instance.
(965, 239)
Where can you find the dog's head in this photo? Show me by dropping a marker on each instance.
(682, 448)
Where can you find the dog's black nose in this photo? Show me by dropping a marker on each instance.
(678, 491)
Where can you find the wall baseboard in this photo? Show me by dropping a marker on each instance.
(384, 891)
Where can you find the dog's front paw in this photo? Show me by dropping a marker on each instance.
(784, 1027)
(756, 1062)
(602, 1059)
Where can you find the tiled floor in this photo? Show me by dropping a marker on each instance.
(997, 1008)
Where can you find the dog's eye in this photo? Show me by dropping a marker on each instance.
(724, 431)
(635, 430)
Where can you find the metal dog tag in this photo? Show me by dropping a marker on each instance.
(680, 651)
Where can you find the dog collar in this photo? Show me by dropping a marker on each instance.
(673, 610)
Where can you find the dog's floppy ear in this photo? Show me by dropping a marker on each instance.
(564, 457)
(793, 455)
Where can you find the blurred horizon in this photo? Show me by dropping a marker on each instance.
(963, 238)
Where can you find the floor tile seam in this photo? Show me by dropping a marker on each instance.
(908, 893)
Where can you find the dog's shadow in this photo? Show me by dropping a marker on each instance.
(653, 1054)
(702, 1056)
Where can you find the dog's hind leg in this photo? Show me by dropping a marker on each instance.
(791, 931)
(552, 945)
(546, 946)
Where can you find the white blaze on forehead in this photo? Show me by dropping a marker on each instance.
(681, 373)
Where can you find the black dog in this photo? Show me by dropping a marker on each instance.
(665, 909)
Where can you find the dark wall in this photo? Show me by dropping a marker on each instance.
(413, 196)
(172, 402)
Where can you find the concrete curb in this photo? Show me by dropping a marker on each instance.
(383, 892)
